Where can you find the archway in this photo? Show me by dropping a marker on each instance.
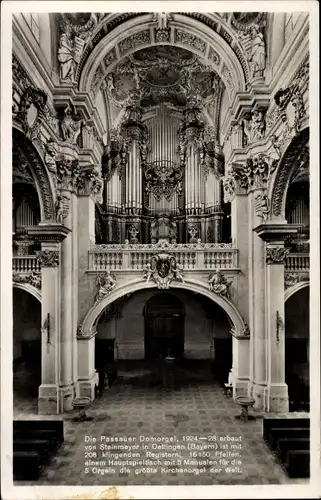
(29, 167)
(294, 161)
(164, 326)
(26, 345)
(297, 347)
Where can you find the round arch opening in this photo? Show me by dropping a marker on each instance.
(26, 343)
(154, 326)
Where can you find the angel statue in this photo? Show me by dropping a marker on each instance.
(178, 272)
(218, 284)
(105, 283)
(147, 272)
(59, 210)
(70, 125)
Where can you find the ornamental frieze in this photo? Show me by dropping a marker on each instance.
(48, 258)
(162, 179)
(163, 269)
(276, 255)
(31, 111)
(33, 279)
(262, 205)
(291, 279)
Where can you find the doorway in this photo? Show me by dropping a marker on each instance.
(164, 327)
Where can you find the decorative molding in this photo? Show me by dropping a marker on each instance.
(33, 278)
(30, 112)
(163, 178)
(48, 232)
(276, 255)
(62, 208)
(245, 334)
(162, 269)
(133, 41)
(24, 149)
(292, 278)
(105, 282)
(296, 154)
(162, 245)
(262, 204)
(48, 258)
(219, 284)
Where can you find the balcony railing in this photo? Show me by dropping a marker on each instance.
(189, 256)
(297, 262)
(25, 264)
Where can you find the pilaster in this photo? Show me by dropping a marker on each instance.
(50, 256)
(275, 396)
(86, 364)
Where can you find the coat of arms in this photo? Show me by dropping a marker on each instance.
(162, 269)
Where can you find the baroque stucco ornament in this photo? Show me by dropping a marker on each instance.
(276, 255)
(219, 284)
(162, 269)
(291, 279)
(48, 258)
(262, 205)
(34, 279)
(105, 283)
(162, 179)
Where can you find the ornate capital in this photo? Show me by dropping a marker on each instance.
(89, 182)
(48, 258)
(276, 255)
(48, 232)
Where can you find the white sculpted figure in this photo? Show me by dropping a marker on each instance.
(70, 125)
(106, 284)
(59, 210)
(218, 284)
(257, 56)
(178, 271)
(66, 55)
(147, 272)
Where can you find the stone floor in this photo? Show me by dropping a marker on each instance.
(183, 402)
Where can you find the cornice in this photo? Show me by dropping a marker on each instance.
(48, 232)
(276, 232)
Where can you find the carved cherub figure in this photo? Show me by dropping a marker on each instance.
(178, 272)
(147, 272)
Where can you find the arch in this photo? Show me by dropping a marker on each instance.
(295, 288)
(26, 151)
(195, 36)
(26, 287)
(294, 156)
(89, 323)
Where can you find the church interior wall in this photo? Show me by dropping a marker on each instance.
(200, 326)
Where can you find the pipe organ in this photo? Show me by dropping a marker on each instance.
(162, 178)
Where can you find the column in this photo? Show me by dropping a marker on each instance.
(258, 313)
(276, 396)
(51, 236)
(68, 328)
(241, 372)
(86, 289)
